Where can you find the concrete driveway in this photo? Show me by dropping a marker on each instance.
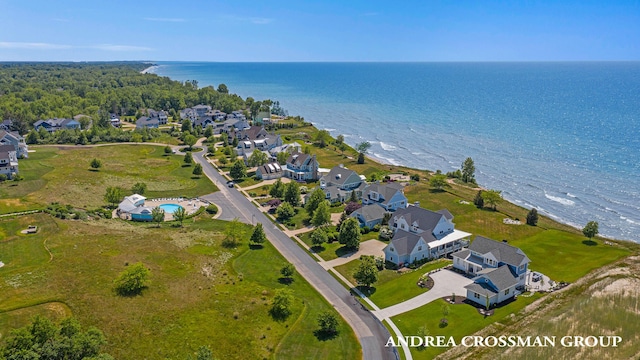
(369, 247)
(446, 282)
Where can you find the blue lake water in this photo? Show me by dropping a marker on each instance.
(562, 137)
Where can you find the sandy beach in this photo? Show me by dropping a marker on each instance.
(149, 69)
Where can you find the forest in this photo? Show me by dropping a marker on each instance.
(34, 91)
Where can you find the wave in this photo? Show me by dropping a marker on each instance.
(387, 147)
(560, 200)
(388, 160)
(571, 195)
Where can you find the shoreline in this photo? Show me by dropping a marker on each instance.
(149, 69)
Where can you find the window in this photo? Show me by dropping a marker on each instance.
(476, 295)
(521, 267)
(419, 248)
(506, 292)
(391, 249)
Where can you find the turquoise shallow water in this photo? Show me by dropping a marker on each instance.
(169, 208)
(563, 137)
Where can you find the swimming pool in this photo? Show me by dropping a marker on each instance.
(169, 208)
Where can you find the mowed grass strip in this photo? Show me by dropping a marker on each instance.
(200, 292)
(463, 320)
(63, 175)
(392, 287)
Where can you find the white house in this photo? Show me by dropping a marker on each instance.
(301, 167)
(493, 287)
(434, 229)
(340, 182)
(269, 171)
(16, 140)
(8, 161)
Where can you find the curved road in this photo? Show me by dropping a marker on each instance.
(371, 333)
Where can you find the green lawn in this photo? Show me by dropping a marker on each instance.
(181, 308)
(392, 287)
(63, 175)
(463, 320)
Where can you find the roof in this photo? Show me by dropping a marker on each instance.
(339, 175)
(404, 241)
(270, 168)
(371, 212)
(482, 289)
(426, 219)
(501, 277)
(7, 148)
(252, 133)
(446, 214)
(147, 121)
(503, 252)
(298, 159)
(135, 197)
(387, 190)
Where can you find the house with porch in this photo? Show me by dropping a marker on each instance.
(301, 167)
(388, 195)
(16, 140)
(340, 182)
(8, 161)
(147, 122)
(254, 138)
(435, 230)
(485, 255)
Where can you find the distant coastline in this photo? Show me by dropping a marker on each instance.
(526, 125)
(150, 69)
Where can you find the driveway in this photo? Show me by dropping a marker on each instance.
(369, 247)
(446, 282)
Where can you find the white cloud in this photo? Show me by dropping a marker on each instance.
(32, 46)
(165, 19)
(111, 47)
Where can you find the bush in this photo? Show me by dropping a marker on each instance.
(365, 230)
(415, 177)
(132, 280)
(212, 209)
(3, 177)
(376, 227)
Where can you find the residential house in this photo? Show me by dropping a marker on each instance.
(161, 115)
(255, 137)
(203, 121)
(369, 215)
(16, 140)
(8, 161)
(237, 114)
(6, 125)
(340, 182)
(484, 255)
(390, 196)
(147, 122)
(493, 287)
(193, 113)
(301, 167)
(132, 207)
(53, 125)
(289, 148)
(114, 120)
(435, 230)
(269, 171)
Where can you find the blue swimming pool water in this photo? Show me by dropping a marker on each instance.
(169, 208)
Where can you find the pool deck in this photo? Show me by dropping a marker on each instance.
(190, 205)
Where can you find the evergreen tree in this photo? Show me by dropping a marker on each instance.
(197, 170)
(188, 158)
(258, 236)
(478, 201)
(468, 171)
(532, 217)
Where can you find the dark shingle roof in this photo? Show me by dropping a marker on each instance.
(338, 175)
(501, 277)
(426, 219)
(386, 190)
(371, 212)
(482, 289)
(404, 242)
(503, 252)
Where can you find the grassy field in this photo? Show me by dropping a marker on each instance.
(463, 320)
(392, 287)
(62, 175)
(181, 309)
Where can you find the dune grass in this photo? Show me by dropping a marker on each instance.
(62, 175)
(181, 309)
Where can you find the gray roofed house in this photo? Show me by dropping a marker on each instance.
(301, 167)
(485, 254)
(254, 138)
(161, 115)
(16, 140)
(147, 122)
(6, 125)
(496, 286)
(369, 215)
(406, 248)
(435, 228)
(55, 124)
(340, 182)
(8, 161)
(204, 121)
(389, 195)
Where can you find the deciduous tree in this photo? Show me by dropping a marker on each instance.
(281, 306)
(238, 170)
(292, 193)
(316, 197)
(328, 323)
(438, 181)
(257, 158)
(492, 198)
(591, 229)
(350, 234)
(277, 189)
(132, 280)
(367, 272)
(319, 237)
(322, 215)
(180, 214)
(157, 215)
(113, 195)
(285, 212)
(188, 158)
(190, 140)
(139, 188)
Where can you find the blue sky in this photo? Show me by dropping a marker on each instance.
(61, 30)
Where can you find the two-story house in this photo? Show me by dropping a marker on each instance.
(390, 196)
(493, 287)
(16, 140)
(8, 161)
(435, 229)
(147, 122)
(301, 167)
(161, 115)
(254, 138)
(340, 182)
(269, 171)
(485, 254)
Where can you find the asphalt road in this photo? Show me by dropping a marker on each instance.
(371, 333)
